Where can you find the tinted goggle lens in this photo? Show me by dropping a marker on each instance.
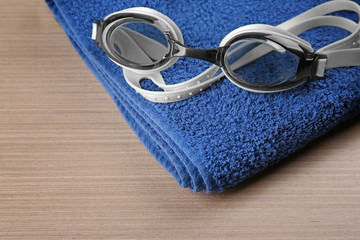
(139, 43)
(260, 62)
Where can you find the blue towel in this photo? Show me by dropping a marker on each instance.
(223, 135)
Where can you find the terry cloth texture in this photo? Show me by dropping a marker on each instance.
(223, 135)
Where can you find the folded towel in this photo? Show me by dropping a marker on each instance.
(223, 135)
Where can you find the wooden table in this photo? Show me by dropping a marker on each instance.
(71, 168)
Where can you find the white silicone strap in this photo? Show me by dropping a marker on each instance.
(173, 92)
(345, 52)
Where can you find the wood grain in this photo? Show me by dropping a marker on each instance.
(71, 168)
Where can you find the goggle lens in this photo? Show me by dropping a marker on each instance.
(260, 62)
(139, 43)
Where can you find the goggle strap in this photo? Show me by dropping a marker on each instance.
(343, 58)
(174, 92)
(321, 21)
(342, 53)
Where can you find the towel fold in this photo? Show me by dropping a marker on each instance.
(223, 135)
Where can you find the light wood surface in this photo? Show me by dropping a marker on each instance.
(71, 168)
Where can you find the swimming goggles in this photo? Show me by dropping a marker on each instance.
(258, 58)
